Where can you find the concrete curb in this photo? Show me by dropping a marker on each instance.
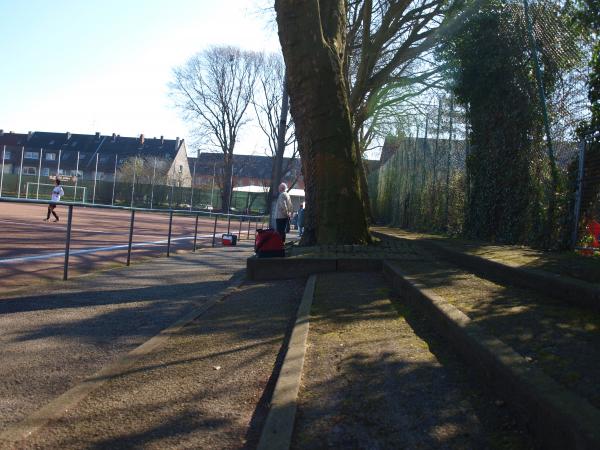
(557, 417)
(562, 288)
(262, 269)
(279, 425)
(22, 430)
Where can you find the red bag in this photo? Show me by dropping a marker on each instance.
(268, 244)
(593, 228)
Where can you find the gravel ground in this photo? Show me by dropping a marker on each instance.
(562, 339)
(376, 378)
(206, 388)
(52, 340)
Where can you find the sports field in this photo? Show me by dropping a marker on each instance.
(32, 250)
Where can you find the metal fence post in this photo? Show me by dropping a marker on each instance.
(68, 244)
(169, 237)
(240, 230)
(215, 229)
(195, 233)
(578, 193)
(249, 223)
(20, 172)
(130, 236)
(228, 223)
(37, 191)
(2, 170)
(112, 199)
(95, 180)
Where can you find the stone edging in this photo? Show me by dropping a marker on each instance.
(565, 289)
(22, 430)
(557, 417)
(260, 269)
(279, 425)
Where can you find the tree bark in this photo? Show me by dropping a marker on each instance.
(312, 36)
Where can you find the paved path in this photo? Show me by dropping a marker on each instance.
(206, 388)
(376, 377)
(50, 341)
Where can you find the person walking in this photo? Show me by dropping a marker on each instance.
(57, 193)
(301, 220)
(283, 210)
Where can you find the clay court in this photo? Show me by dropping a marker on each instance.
(32, 250)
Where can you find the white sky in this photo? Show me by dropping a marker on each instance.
(87, 66)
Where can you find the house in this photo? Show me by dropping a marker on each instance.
(89, 156)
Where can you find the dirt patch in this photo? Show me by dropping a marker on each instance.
(564, 263)
(562, 339)
(208, 387)
(375, 377)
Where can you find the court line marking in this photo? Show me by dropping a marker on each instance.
(95, 250)
(54, 227)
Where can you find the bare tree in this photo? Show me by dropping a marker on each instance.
(145, 170)
(214, 90)
(272, 112)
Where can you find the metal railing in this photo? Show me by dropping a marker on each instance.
(171, 212)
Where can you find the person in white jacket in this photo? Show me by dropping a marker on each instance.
(283, 210)
(57, 193)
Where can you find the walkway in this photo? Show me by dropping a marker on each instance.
(50, 341)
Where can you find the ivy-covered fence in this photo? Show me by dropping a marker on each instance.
(493, 154)
(426, 182)
(421, 184)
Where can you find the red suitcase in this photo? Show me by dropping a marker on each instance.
(268, 244)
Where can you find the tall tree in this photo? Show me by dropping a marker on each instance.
(214, 90)
(271, 104)
(335, 68)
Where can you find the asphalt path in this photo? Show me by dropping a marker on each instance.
(53, 337)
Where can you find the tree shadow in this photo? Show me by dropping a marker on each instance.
(380, 378)
(175, 397)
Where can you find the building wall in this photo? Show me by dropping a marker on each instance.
(179, 172)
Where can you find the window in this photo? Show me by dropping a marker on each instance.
(7, 154)
(29, 170)
(180, 169)
(61, 172)
(50, 156)
(46, 172)
(32, 155)
(51, 142)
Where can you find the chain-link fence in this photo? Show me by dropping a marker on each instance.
(133, 182)
(494, 155)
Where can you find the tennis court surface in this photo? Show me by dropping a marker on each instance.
(32, 250)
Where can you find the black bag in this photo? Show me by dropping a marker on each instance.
(287, 226)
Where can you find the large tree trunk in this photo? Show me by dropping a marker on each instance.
(312, 36)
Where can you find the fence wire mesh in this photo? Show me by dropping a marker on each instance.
(452, 164)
